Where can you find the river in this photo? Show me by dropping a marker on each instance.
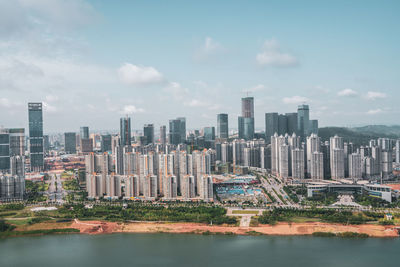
(197, 250)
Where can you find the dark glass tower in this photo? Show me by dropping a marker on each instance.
(303, 120)
(222, 126)
(271, 125)
(148, 132)
(4, 151)
(70, 143)
(246, 121)
(125, 131)
(84, 132)
(174, 136)
(36, 136)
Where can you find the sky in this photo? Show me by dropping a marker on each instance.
(92, 62)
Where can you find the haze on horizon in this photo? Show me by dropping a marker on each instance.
(91, 62)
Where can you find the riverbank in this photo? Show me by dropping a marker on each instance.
(283, 229)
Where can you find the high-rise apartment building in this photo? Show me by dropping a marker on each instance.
(163, 134)
(36, 136)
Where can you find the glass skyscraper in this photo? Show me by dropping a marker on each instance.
(125, 131)
(148, 132)
(303, 120)
(246, 121)
(70, 143)
(36, 136)
(222, 126)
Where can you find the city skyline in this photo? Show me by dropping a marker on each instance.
(197, 71)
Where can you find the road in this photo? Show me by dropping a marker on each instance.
(56, 192)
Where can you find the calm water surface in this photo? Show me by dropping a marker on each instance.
(196, 250)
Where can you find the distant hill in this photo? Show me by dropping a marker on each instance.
(360, 135)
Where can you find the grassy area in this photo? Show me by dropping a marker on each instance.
(323, 215)
(67, 175)
(245, 212)
(71, 185)
(271, 198)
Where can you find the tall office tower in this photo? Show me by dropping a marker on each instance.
(148, 132)
(246, 121)
(209, 133)
(36, 136)
(150, 186)
(284, 161)
(292, 123)
(125, 131)
(84, 132)
(298, 163)
(182, 129)
(17, 141)
(282, 124)
(206, 188)
(355, 171)
(163, 134)
(271, 125)
(246, 128)
(317, 166)
(106, 143)
(337, 163)
(348, 150)
(46, 144)
(4, 151)
(313, 126)
(387, 163)
(397, 151)
(174, 136)
(171, 187)
(188, 190)
(222, 126)
(376, 154)
(313, 145)
(325, 149)
(86, 145)
(70, 143)
(131, 186)
(303, 120)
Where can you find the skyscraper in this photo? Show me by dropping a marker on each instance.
(163, 134)
(125, 131)
(177, 131)
(271, 125)
(303, 120)
(17, 141)
(222, 126)
(148, 132)
(292, 126)
(105, 143)
(246, 121)
(84, 133)
(4, 150)
(36, 136)
(70, 143)
(313, 126)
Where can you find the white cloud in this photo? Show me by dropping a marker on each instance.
(272, 55)
(176, 90)
(49, 108)
(375, 95)
(131, 109)
(195, 103)
(347, 92)
(5, 102)
(211, 46)
(374, 111)
(139, 75)
(258, 87)
(295, 100)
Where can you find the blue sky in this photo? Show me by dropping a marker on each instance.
(91, 62)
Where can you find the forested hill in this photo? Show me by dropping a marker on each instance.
(360, 135)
